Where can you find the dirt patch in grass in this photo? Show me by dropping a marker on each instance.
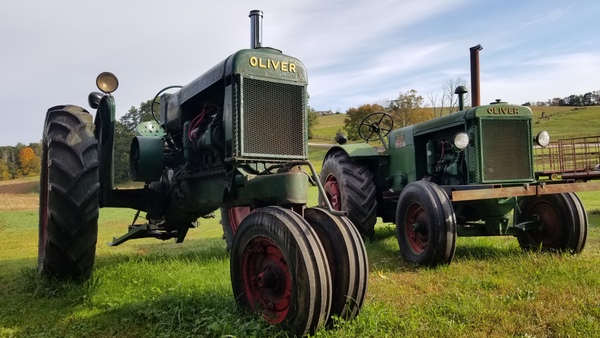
(18, 202)
(18, 188)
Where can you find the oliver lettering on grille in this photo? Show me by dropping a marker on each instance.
(503, 110)
(282, 66)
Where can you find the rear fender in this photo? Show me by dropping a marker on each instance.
(105, 134)
(378, 162)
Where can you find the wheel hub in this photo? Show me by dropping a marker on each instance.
(416, 228)
(267, 279)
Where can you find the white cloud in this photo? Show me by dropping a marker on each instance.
(356, 51)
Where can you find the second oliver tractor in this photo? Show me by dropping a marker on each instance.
(465, 174)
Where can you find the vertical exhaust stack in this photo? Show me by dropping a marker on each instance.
(475, 99)
(256, 28)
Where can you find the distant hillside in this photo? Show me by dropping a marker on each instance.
(559, 121)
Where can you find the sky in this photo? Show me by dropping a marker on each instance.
(356, 51)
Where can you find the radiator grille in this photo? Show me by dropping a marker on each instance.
(273, 121)
(506, 150)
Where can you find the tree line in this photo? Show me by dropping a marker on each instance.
(408, 108)
(588, 99)
(20, 161)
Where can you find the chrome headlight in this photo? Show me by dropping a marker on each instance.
(543, 139)
(107, 82)
(461, 140)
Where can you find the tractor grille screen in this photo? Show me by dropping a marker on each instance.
(506, 150)
(273, 122)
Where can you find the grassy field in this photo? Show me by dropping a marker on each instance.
(559, 121)
(148, 288)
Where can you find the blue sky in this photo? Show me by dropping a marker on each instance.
(356, 51)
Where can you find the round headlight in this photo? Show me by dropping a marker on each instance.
(543, 139)
(107, 82)
(461, 140)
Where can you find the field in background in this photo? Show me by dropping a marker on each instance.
(560, 121)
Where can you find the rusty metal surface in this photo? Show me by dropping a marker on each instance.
(525, 190)
(577, 158)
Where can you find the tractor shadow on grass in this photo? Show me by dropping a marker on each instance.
(158, 289)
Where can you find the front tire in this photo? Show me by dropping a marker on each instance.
(425, 224)
(347, 257)
(349, 187)
(563, 223)
(279, 269)
(69, 187)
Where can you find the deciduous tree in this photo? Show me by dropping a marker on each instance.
(355, 115)
(406, 109)
(29, 163)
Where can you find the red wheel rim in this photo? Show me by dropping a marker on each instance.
(267, 279)
(415, 228)
(332, 190)
(551, 230)
(236, 216)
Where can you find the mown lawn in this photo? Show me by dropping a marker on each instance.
(148, 288)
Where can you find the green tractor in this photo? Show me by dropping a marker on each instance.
(233, 139)
(465, 174)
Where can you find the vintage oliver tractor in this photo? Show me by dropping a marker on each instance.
(463, 174)
(235, 138)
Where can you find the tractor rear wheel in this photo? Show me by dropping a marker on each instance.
(279, 269)
(426, 224)
(347, 259)
(563, 223)
(231, 217)
(349, 187)
(69, 186)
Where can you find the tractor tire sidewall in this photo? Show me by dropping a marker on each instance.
(69, 195)
(581, 224)
(357, 190)
(311, 282)
(573, 223)
(346, 255)
(441, 234)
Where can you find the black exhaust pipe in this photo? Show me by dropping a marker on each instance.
(475, 99)
(256, 28)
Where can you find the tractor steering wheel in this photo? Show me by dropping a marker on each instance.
(373, 125)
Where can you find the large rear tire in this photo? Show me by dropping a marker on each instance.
(426, 224)
(69, 185)
(563, 223)
(279, 269)
(347, 259)
(349, 187)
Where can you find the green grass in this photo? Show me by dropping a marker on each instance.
(324, 131)
(567, 122)
(149, 288)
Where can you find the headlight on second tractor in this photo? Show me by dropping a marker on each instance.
(461, 140)
(543, 139)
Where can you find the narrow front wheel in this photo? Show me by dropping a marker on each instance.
(425, 224)
(279, 269)
(347, 258)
